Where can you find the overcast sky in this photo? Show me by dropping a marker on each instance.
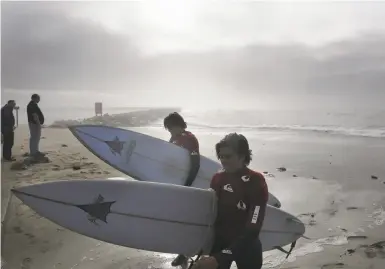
(174, 49)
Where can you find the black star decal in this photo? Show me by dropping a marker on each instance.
(98, 210)
(116, 146)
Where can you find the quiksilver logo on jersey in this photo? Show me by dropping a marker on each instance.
(245, 178)
(254, 219)
(194, 153)
(228, 188)
(241, 205)
(227, 251)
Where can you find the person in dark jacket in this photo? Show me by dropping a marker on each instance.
(35, 122)
(7, 129)
(242, 199)
(176, 125)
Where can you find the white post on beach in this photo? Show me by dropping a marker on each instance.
(98, 109)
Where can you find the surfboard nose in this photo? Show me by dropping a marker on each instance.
(46, 190)
(22, 192)
(19, 191)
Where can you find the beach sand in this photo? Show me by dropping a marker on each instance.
(329, 177)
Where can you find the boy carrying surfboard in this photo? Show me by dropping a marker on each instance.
(176, 125)
(242, 198)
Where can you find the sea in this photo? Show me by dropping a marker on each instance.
(330, 155)
(365, 123)
(343, 114)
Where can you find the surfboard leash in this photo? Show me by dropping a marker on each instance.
(196, 259)
(292, 246)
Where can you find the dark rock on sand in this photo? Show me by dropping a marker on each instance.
(306, 214)
(281, 169)
(76, 166)
(333, 265)
(351, 208)
(357, 237)
(350, 251)
(374, 177)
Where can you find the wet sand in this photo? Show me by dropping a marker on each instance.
(327, 183)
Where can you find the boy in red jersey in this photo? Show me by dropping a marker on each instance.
(242, 198)
(176, 125)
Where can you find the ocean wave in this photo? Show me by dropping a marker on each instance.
(362, 132)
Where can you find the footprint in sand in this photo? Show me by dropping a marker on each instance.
(26, 263)
(30, 236)
(370, 251)
(44, 249)
(375, 250)
(17, 230)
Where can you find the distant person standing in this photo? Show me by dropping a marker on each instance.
(8, 129)
(35, 122)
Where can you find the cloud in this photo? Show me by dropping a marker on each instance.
(352, 65)
(45, 47)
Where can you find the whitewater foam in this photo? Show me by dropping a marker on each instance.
(332, 130)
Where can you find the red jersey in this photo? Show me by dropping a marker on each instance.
(188, 141)
(242, 199)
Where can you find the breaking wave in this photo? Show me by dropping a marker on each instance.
(362, 132)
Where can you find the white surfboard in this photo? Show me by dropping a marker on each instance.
(145, 215)
(146, 158)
